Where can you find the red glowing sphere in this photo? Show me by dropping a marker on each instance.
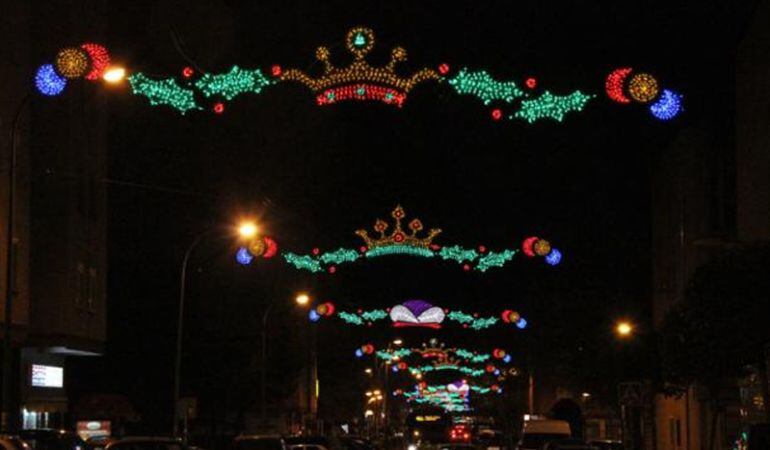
(333, 269)
(316, 251)
(443, 68)
(276, 70)
(531, 82)
(497, 114)
(219, 107)
(187, 72)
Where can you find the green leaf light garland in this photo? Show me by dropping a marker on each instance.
(303, 262)
(163, 92)
(495, 259)
(458, 254)
(233, 83)
(552, 106)
(481, 85)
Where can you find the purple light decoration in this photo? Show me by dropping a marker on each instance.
(417, 307)
(313, 316)
(359, 353)
(521, 324)
(395, 369)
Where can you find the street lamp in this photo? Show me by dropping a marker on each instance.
(624, 329)
(301, 299)
(180, 318)
(114, 75)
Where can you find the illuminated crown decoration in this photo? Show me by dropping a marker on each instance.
(360, 80)
(398, 236)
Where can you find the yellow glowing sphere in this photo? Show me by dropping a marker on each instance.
(257, 247)
(302, 299)
(542, 247)
(72, 62)
(643, 87)
(624, 329)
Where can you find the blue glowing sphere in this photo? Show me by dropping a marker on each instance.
(395, 369)
(243, 256)
(313, 316)
(359, 353)
(554, 257)
(497, 372)
(507, 359)
(522, 323)
(48, 82)
(668, 106)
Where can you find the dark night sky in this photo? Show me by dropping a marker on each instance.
(317, 174)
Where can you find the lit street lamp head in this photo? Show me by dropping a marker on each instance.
(302, 299)
(114, 75)
(624, 329)
(248, 230)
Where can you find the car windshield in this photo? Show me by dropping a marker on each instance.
(538, 440)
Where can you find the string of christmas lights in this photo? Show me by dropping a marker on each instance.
(552, 106)
(359, 81)
(471, 321)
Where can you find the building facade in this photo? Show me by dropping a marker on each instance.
(59, 299)
(711, 192)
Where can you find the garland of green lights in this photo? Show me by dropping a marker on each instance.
(481, 85)
(182, 97)
(462, 353)
(552, 106)
(480, 262)
(369, 317)
(470, 371)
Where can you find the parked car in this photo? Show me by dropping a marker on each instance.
(52, 439)
(538, 432)
(146, 443)
(9, 442)
(259, 442)
(607, 445)
(567, 444)
(308, 443)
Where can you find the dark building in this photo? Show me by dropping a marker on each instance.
(712, 192)
(59, 308)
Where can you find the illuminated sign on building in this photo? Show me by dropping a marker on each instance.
(47, 376)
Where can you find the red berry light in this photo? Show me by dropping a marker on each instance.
(531, 82)
(276, 70)
(497, 114)
(188, 71)
(443, 68)
(219, 108)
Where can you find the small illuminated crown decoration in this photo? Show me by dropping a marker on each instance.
(361, 81)
(399, 236)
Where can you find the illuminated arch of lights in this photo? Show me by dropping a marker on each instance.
(406, 240)
(513, 99)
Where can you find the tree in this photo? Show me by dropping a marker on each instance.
(720, 328)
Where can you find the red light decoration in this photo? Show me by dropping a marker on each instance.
(316, 251)
(368, 349)
(271, 247)
(402, 366)
(466, 267)
(531, 82)
(510, 316)
(490, 368)
(100, 59)
(325, 309)
(219, 107)
(188, 72)
(498, 353)
(526, 246)
(443, 69)
(614, 85)
(276, 70)
(361, 92)
(333, 270)
(497, 114)
(482, 249)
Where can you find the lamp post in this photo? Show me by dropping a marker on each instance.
(247, 230)
(10, 266)
(302, 299)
